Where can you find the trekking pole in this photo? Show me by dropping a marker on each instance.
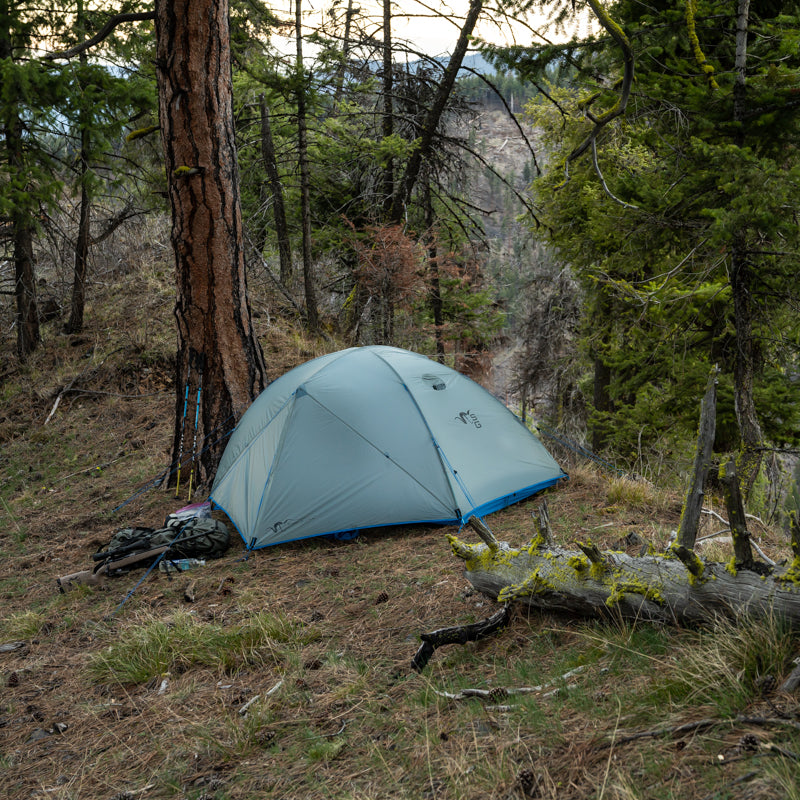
(183, 424)
(200, 360)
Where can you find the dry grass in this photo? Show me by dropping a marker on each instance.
(145, 700)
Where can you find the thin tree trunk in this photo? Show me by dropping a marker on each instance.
(75, 322)
(741, 279)
(433, 270)
(278, 206)
(305, 192)
(405, 187)
(601, 398)
(27, 321)
(28, 335)
(388, 104)
(348, 24)
(212, 312)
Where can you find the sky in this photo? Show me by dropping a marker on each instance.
(426, 25)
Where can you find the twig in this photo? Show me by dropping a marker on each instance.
(781, 751)
(500, 691)
(459, 634)
(686, 727)
(246, 706)
(763, 555)
(766, 721)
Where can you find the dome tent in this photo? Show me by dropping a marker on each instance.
(373, 436)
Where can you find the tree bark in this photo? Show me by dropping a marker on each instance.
(212, 312)
(657, 588)
(742, 553)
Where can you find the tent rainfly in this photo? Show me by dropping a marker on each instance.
(373, 436)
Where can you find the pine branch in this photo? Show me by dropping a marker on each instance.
(102, 34)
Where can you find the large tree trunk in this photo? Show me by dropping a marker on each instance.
(214, 322)
(658, 588)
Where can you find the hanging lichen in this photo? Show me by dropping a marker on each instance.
(708, 70)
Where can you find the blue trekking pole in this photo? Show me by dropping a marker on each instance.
(200, 359)
(183, 425)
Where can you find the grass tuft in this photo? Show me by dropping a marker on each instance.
(158, 646)
(734, 662)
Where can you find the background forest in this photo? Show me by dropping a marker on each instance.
(587, 236)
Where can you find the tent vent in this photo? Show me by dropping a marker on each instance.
(435, 381)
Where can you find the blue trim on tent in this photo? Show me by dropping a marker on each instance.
(511, 498)
(480, 511)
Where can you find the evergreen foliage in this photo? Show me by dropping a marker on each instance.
(681, 188)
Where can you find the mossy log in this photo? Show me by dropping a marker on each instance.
(676, 587)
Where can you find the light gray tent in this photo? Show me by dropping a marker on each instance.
(373, 436)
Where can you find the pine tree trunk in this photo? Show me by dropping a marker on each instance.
(348, 24)
(27, 320)
(212, 311)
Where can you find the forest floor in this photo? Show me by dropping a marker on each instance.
(289, 673)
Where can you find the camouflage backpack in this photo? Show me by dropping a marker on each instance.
(198, 537)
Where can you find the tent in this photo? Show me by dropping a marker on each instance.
(373, 436)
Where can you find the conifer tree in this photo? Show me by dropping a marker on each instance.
(679, 220)
(28, 183)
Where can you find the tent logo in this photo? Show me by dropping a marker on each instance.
(468, 418)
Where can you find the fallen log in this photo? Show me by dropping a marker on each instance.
(675, 587)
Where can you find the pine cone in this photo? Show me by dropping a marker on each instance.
(528, 782)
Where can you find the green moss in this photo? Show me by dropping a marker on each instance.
(792, 575)
(578, 563)
(140, 132)
(185, 172)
